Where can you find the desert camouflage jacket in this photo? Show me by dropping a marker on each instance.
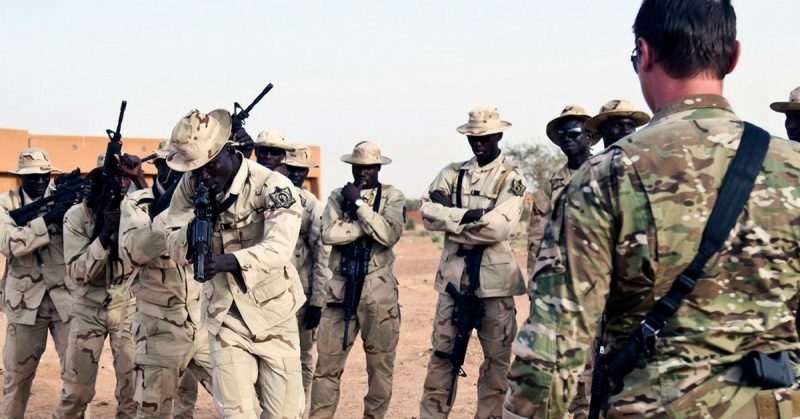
(384, 228)
(163, 290)
(498, 187)
(631, 221)
(92, 275)
(310, 254)
(260, 229)
(34, 263)
(543, 202)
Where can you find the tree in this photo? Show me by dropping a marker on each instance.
(537, 161)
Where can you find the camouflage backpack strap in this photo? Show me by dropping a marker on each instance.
(502, 180)
(14, 200)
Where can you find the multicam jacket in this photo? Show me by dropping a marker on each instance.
(543, 202)
(162, 289)
(260, 229)
(93, 278)
(630, 222)
(499, 187)
(310, 254)
(384, 228)
(35, 263)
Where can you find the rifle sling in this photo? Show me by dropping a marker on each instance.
(734, 193)
(459, 186)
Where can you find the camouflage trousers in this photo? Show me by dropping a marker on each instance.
(183, 405)
(248, 372)
(497, 332)
(579, 407)
(378, 320)
(89, 326)
(164, 351)
(307, 340)
(22, 351)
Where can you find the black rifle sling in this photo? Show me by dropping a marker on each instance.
(731, 199)
(459, 185)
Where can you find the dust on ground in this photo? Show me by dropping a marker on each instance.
(417, 259)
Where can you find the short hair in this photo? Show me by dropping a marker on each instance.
(689, 37)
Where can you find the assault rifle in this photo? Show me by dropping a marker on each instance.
(354, 266)
(69, 187)
(200, 232)
(110, 194)
(241, 114)
(467, 314)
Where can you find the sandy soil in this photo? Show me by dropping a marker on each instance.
(417, 259)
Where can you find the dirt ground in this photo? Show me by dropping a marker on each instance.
(417, 259)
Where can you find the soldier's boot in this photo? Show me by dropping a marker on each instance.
(497, 333)
(330, 362)
(186, 396)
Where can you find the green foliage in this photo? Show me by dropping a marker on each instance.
(537, 161)
(435, 238)
(411, 224)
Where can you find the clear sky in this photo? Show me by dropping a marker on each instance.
(403, 74)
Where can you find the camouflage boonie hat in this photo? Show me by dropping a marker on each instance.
(792, 105)
(34, 161)
(365, 153)
(198, 138)
(620, 108)
(162, 151)
(300, 157)
(274, 139)
(483, 121)
(569, 112)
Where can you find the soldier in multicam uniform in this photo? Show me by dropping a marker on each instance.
(792, 111)
(363, 209)
(169, 339)
(491, 194)
(36, 299)
(635, 215)
(104, 305)
(310, 258)
(568, 132)
(252, 290)
(616, 119)
(271, 148)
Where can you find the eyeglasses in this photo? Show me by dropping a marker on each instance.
(570, 133)
(635, 59)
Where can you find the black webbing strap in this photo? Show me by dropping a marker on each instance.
(459, 185)
(731, 199)
(377, 204)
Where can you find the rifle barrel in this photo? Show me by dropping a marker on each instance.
(121, 116)
(258, 99)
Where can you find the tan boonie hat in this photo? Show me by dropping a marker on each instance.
(300, 157)
(483, 121)
(162, 151)
(792, 105)
(34, 161)
(365, 153)
(569, 112)
(617, 109)
(198, 138)
(274, 139)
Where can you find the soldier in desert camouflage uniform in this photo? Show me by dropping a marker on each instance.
(792, 111)
(252, 291)
(616, 120)
(271, 148)
(310, 258)
(491, 198)
(169, 338)
(631, 220)
(364, 209)
(36, 299)
(104, 305)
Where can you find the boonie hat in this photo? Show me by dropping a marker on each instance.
(366, 153)
(197, 138)
(34, 161)
(300, 157)
(274, 139)
(620, 108)
(569, 112)
(483, 121)
(792, 105)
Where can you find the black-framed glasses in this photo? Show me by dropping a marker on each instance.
(570, 133)
(635, 59)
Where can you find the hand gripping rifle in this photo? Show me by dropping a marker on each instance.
(200, 232)
(354, 266)
(68, 188)
(467, 314)
(241, 114)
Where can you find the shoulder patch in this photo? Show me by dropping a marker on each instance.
(517, 187)
(281, 198)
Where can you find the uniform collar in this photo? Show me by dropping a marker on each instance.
(564, 173)
(472, 164)
(692, 102)
(239, 180)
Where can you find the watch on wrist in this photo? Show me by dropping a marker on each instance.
(359, 202)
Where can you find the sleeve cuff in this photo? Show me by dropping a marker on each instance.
(249, 270)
